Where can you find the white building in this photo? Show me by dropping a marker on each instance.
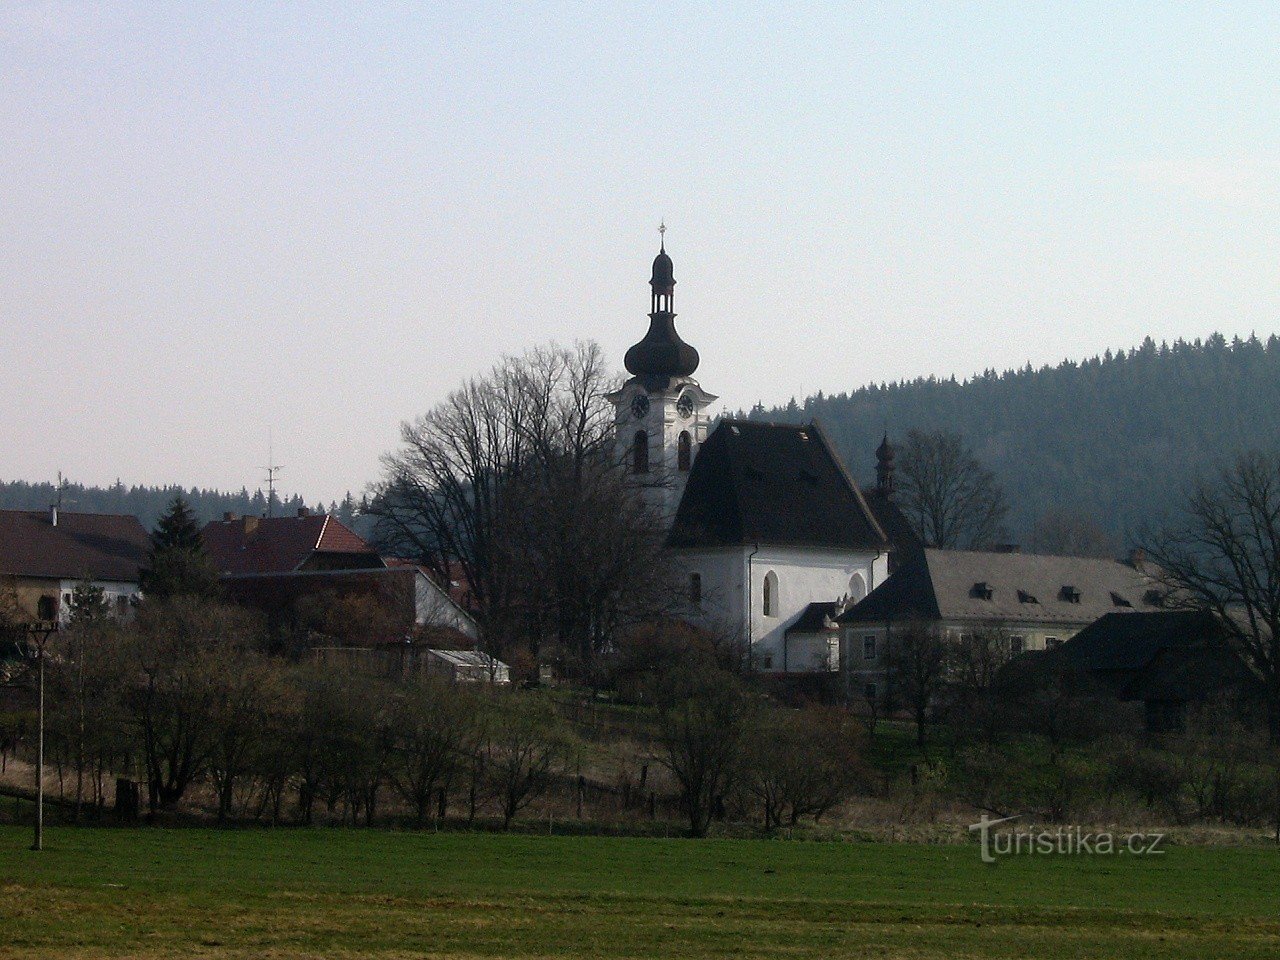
(765, 519)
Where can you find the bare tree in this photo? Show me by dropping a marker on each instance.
(176, 649)
(1225, 558)
(917, 658)
(976, 657)
(527, 740)
(802, 763)
(433, 724)
(1065, 533)
(951, 499)
(513, 484)
(702, 724)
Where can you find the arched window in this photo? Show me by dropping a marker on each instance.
(857, 587)
(769, 595)
(684, 450)
(695, 589)
(640, 453)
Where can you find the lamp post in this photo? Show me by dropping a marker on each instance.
(40, 632)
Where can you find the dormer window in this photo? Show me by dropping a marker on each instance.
(1069, 593)
(1119, 601)
(981, 591)
(1024, 597)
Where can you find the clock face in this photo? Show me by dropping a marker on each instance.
(684, 406)
(640, 405)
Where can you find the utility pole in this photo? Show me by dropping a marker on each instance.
(40, 632)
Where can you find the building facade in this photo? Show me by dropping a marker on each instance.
(1031, 602)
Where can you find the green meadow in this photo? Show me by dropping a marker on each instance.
(150, 893)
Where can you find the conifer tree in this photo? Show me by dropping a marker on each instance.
(178, 564)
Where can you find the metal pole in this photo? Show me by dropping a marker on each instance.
(39, 844)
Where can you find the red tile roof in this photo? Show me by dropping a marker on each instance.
(103, 546)
(283, 544)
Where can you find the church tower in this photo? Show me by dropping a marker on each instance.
(661, 412)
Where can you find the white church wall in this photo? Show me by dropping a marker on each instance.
(803, 577)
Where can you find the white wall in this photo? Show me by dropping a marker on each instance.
(112, 591)
(733, 582)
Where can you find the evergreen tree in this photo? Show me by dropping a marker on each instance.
(178, 564)
(89, 606)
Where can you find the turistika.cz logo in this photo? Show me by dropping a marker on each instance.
(1068, 841)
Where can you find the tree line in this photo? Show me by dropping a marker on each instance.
(1116, 439)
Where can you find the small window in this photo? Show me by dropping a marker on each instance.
(47, 608)
(869, 691)
(684, 451)
(769, 595)
(1024, 597)
(1119, 601)
(695, 589)
(981, 591)
(640, 452)
(1017, 645)
(1051, 642)
(868, 648)
(1069, 593)
(857, 587)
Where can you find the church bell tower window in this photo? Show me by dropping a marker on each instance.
(684, 451)
(640, 452)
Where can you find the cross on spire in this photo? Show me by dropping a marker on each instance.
(662, 235)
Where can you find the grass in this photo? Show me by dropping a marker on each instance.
(333, 893)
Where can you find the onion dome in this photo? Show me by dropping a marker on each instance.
(662, 353)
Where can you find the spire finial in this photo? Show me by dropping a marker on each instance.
(662, 235)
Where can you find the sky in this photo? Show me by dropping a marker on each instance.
(224, 222)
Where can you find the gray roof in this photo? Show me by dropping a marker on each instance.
(960, 585)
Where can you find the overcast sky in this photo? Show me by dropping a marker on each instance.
(224, 219)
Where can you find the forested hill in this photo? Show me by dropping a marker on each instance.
(1116, 439)
(148, 503)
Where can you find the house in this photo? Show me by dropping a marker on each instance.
(1035, 602)
(766, 526)
(1169, 660)
(45, 554)
(287, 566)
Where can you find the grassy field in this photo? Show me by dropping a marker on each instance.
(333, 893)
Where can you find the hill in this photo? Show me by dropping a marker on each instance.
(1116, 439)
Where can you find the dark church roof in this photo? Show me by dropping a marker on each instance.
(777, 484)
(813, 619)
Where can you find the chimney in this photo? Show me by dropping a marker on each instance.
(304, 512)
(230, 517)
(53, 514)
(250, 526)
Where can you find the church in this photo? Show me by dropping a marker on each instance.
(772, 537)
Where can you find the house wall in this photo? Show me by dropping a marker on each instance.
(29, 590)
(861, 670)
(435, 608)
(733, 584)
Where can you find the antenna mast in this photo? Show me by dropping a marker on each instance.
(272, 468)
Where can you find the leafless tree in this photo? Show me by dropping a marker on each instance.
(176, 649)
(1066, 533)
(951, 499)
(513, 484)
(917, 658)
(802, 762)
(703, 720)
(433, 724)
(526, 742)
(1225, 558)
(975, 659)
